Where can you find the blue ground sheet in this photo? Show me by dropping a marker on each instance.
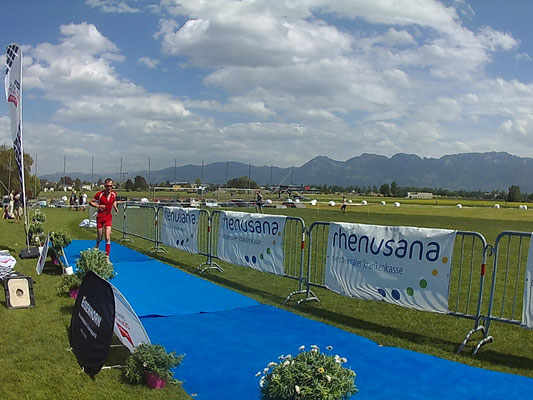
(227, 338)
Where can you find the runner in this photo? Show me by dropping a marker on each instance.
(105, 201)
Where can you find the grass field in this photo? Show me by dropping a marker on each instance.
(36, 364)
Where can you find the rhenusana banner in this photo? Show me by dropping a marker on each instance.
(407, 266)
(180, 228)
(527, 307)
(252, 240)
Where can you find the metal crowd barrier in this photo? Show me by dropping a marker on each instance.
(203, 230)
(293, 246)
(138, 220)
(467, 272)
(510, 252)
(468, 297)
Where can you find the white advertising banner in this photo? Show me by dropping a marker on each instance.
(252, 240)
(407, 266)
(128, 327)
(527, 306)
(179, 228)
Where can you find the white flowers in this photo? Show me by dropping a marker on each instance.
(308, 372)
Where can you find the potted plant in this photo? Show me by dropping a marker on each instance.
(69, 283)
(94, 260)
(90, 260)
(36, 233)
(39, 217)
(150, 363)
(311, 375)
(59, 239)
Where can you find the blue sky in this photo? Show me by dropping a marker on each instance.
(268, 82)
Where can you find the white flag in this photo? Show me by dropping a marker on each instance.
(13, 88)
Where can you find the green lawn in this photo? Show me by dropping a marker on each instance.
(35, 362)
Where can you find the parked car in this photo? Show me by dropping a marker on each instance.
(5, 201)
(58, 203)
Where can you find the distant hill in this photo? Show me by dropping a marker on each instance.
(467, 171)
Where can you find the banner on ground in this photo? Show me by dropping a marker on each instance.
(13, 90)
(407, 266)
(42, 255)
(128, 327)
(179, 228)
(91, 325)
(527, 306)
(252, 240)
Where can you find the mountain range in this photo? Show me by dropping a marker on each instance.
(465, 171)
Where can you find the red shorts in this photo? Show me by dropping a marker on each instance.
(104, 220)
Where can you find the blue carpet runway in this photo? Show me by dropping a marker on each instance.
(228, 338)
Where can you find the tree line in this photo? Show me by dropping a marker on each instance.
(9, 176)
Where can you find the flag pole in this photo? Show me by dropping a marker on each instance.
(13, 91)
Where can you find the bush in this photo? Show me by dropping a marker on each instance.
(60, 239)
(151, 358)
(94, 260)
(39, 217)
(68, 282)
(35, 228)
(311, 375)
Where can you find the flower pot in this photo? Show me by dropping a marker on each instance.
(153, 380)
(73, 292)
(69, 270)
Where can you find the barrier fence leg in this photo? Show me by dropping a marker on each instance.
(209, 261)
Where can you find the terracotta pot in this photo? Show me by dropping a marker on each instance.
(73, 292)
(153, 380)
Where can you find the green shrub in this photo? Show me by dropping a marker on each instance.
(151, 358)
(311, 375)
(68, 282)
(35, 228)
(39, 217)
(60, 239)
(94, 260)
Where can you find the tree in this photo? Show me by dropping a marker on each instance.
(242, 183)
(394, 189)
(385, 189)
(77, 184)
(139, 183)
(129, 185)
(514, 193)
(9, 171)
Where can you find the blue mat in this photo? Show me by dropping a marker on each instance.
(228, 338)
(225, 350)
(156, 289)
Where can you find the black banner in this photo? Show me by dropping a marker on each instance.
(91, 326)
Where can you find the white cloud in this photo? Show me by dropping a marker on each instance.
(149, 62)
(113, 6)
(283, 82)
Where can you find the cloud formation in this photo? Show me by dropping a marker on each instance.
(280, 83)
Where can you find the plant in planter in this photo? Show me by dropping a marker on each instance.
(94, 260)
(149, 362)
(70, 284)
(39, 217)
(36, 233)
(90, 260)
(60, 239)
(311, 375)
